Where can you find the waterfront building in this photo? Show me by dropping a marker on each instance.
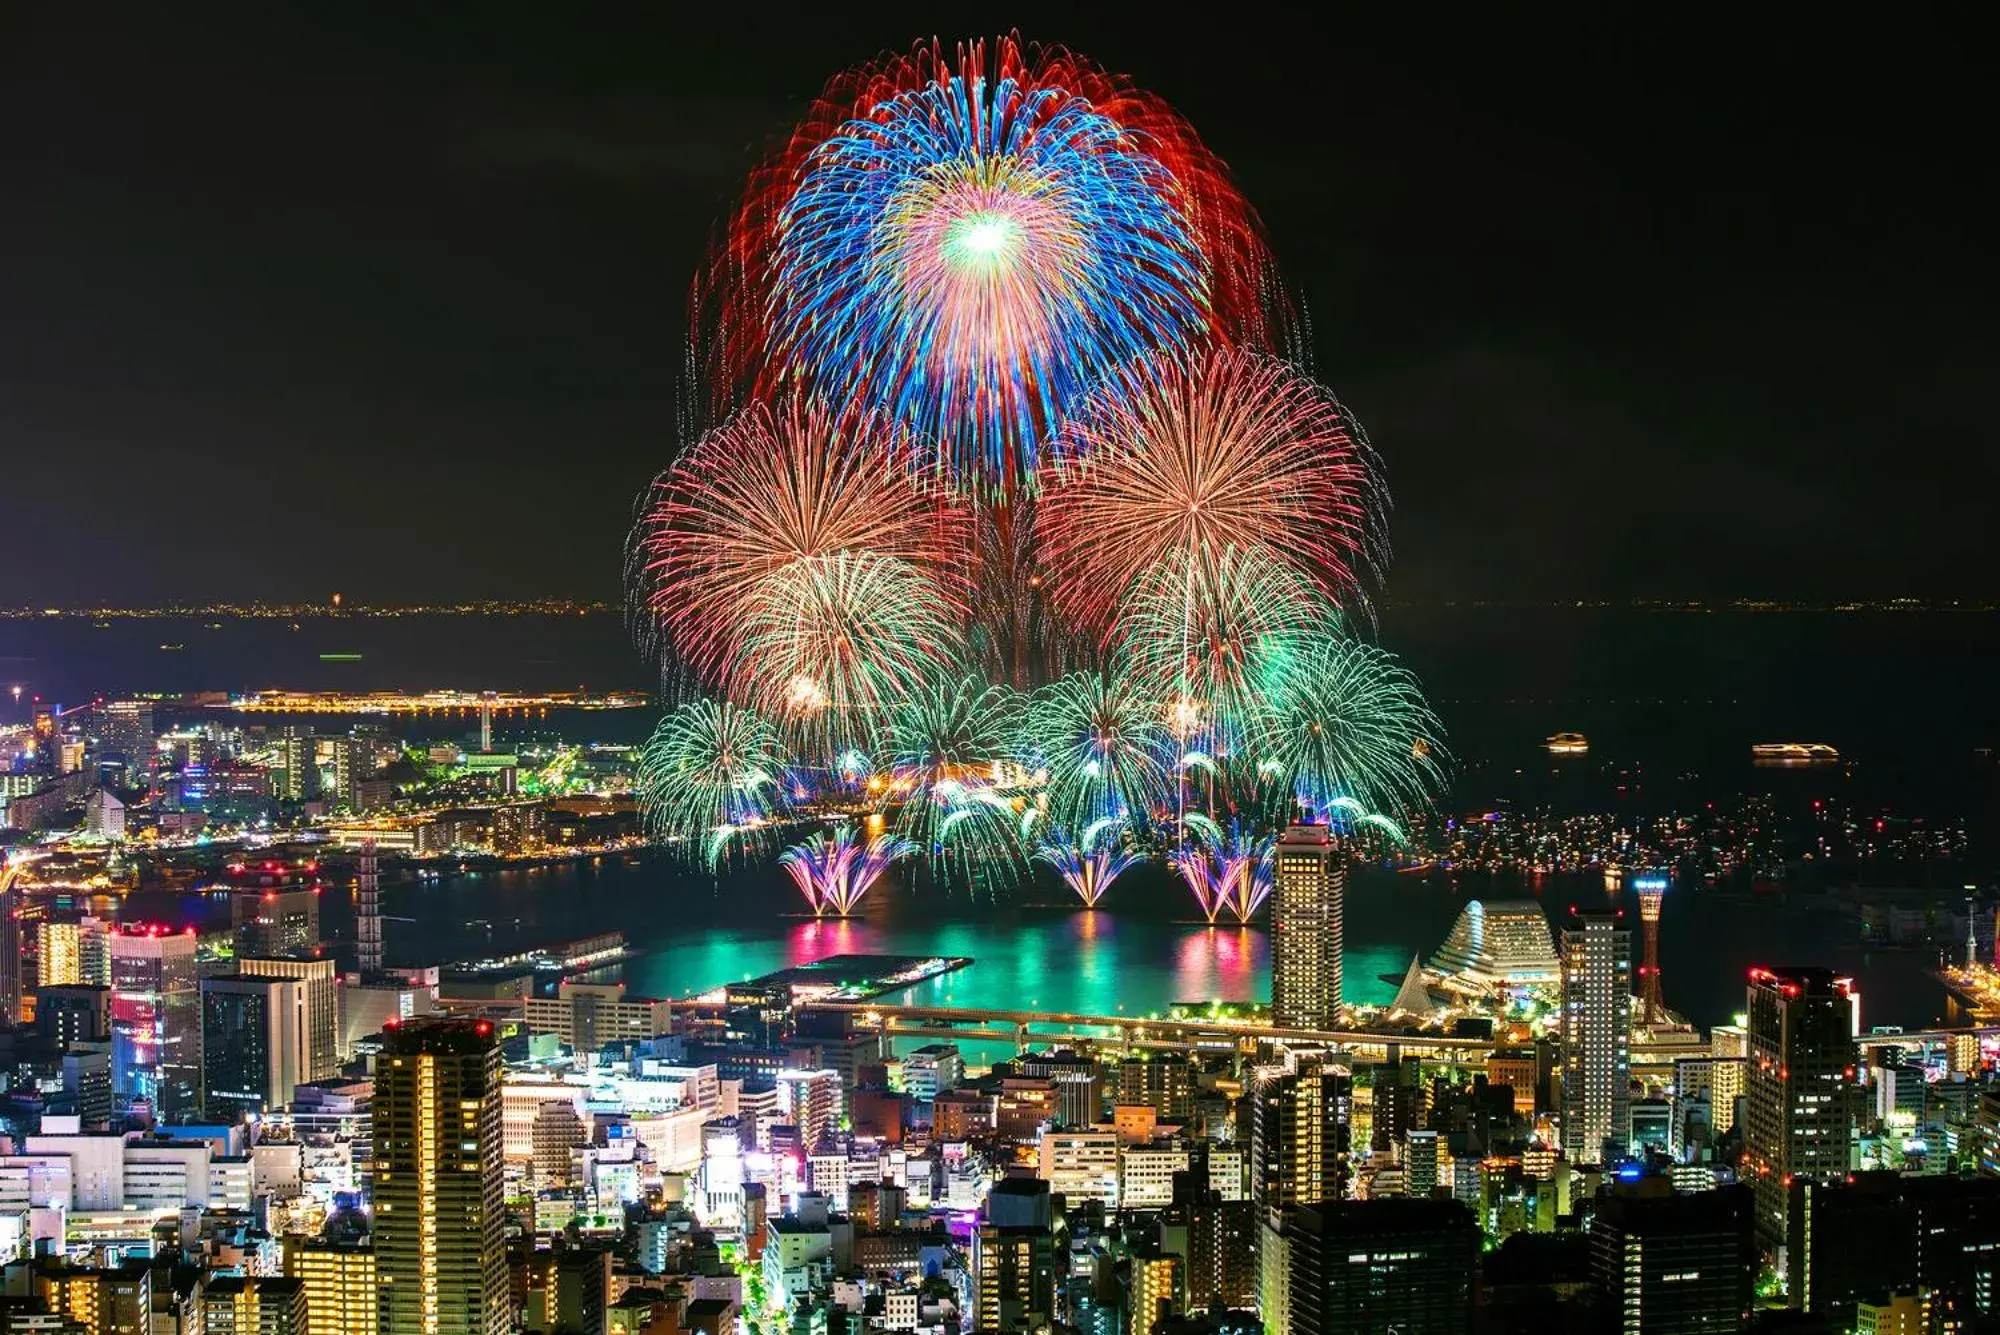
(1498, 947)
(1596, 1038)
(1306, 924)
(440, 1232)
(1801, 1089)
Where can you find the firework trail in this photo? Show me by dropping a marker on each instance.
(1090, 862)
(1178, 461)
(834, 871)
(1228, 870)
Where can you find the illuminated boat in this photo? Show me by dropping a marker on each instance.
(1793, 753)
(1567, 744)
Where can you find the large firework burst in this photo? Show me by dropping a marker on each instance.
(968, 239)
(1346, 719)
(1104, 745)
(1178, 460)
(709, 778)
(767, 496)
(952, 747)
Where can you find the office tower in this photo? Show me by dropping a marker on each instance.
(1077, 1083)
(811, 1102)
(297, 777)
(1800, 1093)
(568, 1291)
(1664, 1262)
(1652, 892)
(322, 988)
(440, 1245)
(1154, 1289)
(254, 1305)
(1080, 1165)
(10, 946)
(156, 1020)
(125, 732)
(70, 951)
(254, 1042)
(367, 912)
(339, 1280)
(934, 1069)
(1164, 1083)
(1013, 1276)
(278, 920)
(1596, 1037)
(1380, 1265)
(1306, 929)
(353, 760)
(1420, 1163)
(73, 1014)
(586, 1017)
(1853, 1238)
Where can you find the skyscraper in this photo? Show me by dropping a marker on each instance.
(1665, 1262)
(125, 732)
(1306, 929)
(1380, 1265)
(1300, 1131)
(10, 945)
(254, 1042)
(440, 1245)
(367, 912)
(1800, 1088)
(339, 1279)
(156, 1019)
(322, 989)
(1596, 1036)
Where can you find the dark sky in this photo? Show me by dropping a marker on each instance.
(389, 299)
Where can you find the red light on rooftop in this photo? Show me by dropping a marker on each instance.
(483, 1028)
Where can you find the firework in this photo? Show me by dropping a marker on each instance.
(708, 778)
(1228, 871)
(952, 745)
(767, 496)
(835, 871)
(1210, 639)
(968, 241)
(1086, 870)
(1347, 720)
(1180, 460)
(1104, 745)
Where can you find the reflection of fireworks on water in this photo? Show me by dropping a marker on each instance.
(833, 871)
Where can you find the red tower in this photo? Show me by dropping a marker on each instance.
(1652, 890)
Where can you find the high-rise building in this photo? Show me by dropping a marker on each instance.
(254, 1305)
(1080, 1165)
(1664, 1262)
(1219, 1239)
(322, 988)
(103, 1302)
(277, 920)
(156, 1019)
(1853, 1238)
(1420, 1163)
(1306, 929)
(10, 946)
(339, 1280)
(1013, 1276)
(73, 1014)
(125, 732)
(255, 1043)
(1301, 1130)
(933, 1069)
(1801, 1089)
(440, 1240)
(72, 951)
(1380, 1265)
(1155, 1289)
(1596, 1037)
(1164, 1083)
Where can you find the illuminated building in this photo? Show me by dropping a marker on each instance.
(1420, 1163)
(1154, 1294)
(1311, 879)
(1080, 1165)
(125, 732)
(255, 1036)
(156, 1019)
(10, 947)
(1379, 1265)
(367, 912)
(934, 1069)
(72, 952)
(1596, 1037)
(322, 989)
(1663, 1262)
(339, 1280)
(1013, 1276)
(1907, 1312)
(1652, 892)
(254, 1305)
(1164, 1084)
(73, 1014)
(1498, 947)
(281, 918)
(103, 1302)
(1300, 1132)
(587, 1016)
(1800, 1088)
(440, 1246)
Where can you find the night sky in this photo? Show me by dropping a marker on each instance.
(391, 301)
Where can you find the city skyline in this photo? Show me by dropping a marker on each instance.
(1490, 276)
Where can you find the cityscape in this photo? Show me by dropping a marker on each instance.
(915, 795)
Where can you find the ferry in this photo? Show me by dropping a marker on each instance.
(1793, 753)
(1567, 744)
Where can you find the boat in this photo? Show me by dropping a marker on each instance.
(1793, 753)
(1567, 744)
